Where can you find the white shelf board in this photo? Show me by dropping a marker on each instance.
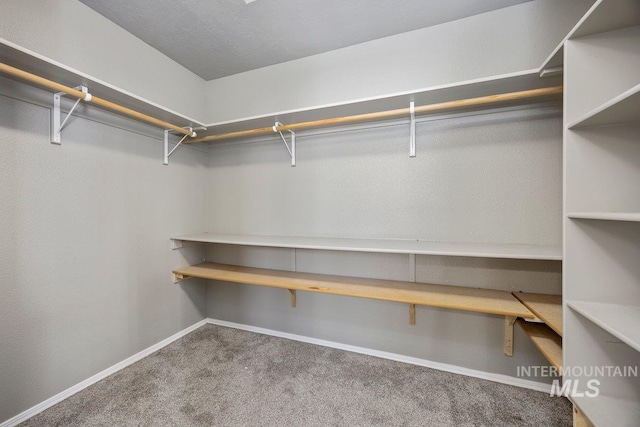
(603, 410)
(624, 108)
(602, 17)
(606, 216)
(621, 321)
(34, 63)
(512, 82)
(418, 247)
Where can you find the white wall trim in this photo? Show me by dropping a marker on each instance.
(499, 378)
(23, 416)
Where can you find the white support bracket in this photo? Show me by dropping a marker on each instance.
(412, 135)
(291, 149)
(56, 125)
(166, 152)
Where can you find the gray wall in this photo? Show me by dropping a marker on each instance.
(504, 41)
(85, 254)
(71, 33)
(494, 177)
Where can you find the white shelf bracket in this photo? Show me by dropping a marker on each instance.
(412, 135)
(56, 125)
(166, 152)
(291, 149)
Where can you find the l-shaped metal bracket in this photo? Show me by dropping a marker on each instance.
(56, 125)
(291, 149)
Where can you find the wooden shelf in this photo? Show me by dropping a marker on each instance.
(547, 308)
(619, 320)
(513, 82)
(35, 63)
(547, 341)
(602, 410)
(624, 108)
(418, 247)
(452, 297)
(606, 216)
(602, 17)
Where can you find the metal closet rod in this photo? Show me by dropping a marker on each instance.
(89, 98)
(431, 108)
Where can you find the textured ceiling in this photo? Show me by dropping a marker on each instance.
(217, 38)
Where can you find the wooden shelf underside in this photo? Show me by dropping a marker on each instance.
(547, 308)
(443, 296)
(546, 340)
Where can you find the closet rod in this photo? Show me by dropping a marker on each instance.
(449, 105)
(93, 99)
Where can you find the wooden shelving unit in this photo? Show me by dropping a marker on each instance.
(547, 336)
(546, 340)
(547, 308)
(487, 301)
(416, 247)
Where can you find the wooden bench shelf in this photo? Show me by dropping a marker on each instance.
(547, 308)
(488, 301)
(547, 341)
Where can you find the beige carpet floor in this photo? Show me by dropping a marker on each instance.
(219, 376)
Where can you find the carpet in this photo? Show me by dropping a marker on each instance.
(218, 376)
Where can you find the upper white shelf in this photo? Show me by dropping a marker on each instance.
(624, 108)
(32, 62)
(506, 83)
(606, 216)
(418, 247)
(604, 16)
(619, 320)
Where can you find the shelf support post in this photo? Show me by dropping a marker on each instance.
(56, 125)
(412, 134)
(291, 149)
(509, 321)
(412, 314)
(293, 297)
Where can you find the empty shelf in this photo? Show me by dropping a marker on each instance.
(624, 108)
(547, 341)
(606, 216)
(619, 320)
(602, 410)
(547, 308)
(418, 247)
(451, 297)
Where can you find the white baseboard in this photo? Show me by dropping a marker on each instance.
(23, 416)
(499, 378)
